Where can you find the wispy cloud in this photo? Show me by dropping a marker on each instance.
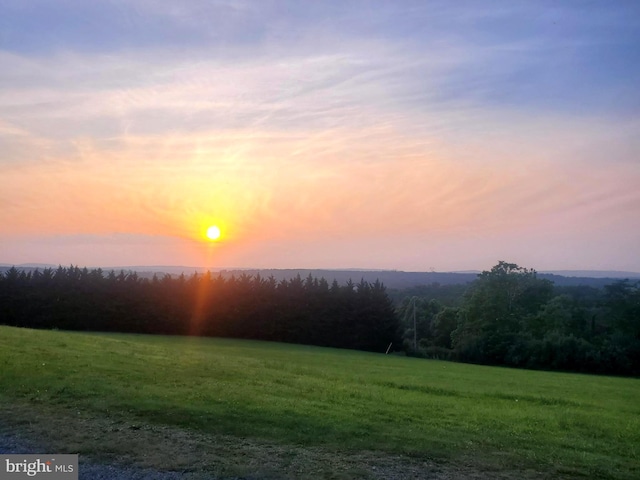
(421, 122)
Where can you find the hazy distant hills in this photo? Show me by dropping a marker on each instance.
(391, 278)
(594, 273)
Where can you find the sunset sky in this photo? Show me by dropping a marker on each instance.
(409, 135)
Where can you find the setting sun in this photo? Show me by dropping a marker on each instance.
(213, 232)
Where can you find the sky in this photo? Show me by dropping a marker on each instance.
(408, 135)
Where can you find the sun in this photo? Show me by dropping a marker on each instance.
(213, 232)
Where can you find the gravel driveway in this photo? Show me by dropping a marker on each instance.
(11, 443)
(261, 461)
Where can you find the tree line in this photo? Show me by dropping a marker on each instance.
(509, 316)
(307, 311)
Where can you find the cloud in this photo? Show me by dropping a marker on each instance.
(428, 123)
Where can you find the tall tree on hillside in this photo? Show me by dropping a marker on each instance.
(622, 346)
(623, 300)
(500, 304)
(375, 323)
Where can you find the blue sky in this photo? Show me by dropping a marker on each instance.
(438, 134)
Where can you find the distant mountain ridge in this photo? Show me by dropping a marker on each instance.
(394, 279)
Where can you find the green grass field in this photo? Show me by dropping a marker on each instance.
(492, 419)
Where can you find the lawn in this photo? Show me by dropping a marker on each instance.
(497, 419)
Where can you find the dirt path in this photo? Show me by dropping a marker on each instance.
(13, 443)
(118, 450)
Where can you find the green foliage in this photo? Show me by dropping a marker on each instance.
(444, 324)
(623, 300)
(557, 425)
(509, 316)
(417, 317)
(500, 303)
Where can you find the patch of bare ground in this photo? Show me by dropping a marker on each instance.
(114, 448)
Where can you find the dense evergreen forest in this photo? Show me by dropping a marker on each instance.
(507, 316)
(308, 311)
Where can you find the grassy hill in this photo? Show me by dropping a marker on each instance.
(132, 396)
